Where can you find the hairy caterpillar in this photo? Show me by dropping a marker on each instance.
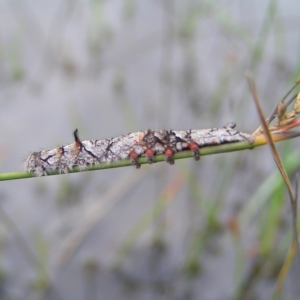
(133, 145)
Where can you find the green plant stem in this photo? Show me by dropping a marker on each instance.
(230, 147)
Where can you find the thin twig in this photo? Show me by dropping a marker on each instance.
(271, 118)
(216, 149)
(274, 113)
(275, 156)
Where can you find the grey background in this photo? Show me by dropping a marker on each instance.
(113, 67)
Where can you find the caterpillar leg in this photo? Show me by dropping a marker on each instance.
(149, 154)
(169, 155)
(195, 148)
(134, 156)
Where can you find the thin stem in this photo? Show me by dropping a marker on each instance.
(230, 147)
(276, 157)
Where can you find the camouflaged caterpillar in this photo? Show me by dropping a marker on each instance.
(133, 145)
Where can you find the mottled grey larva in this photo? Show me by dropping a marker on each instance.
(133, 145)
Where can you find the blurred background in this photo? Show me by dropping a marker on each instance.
(215, 229)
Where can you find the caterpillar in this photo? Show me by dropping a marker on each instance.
(131, 146)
